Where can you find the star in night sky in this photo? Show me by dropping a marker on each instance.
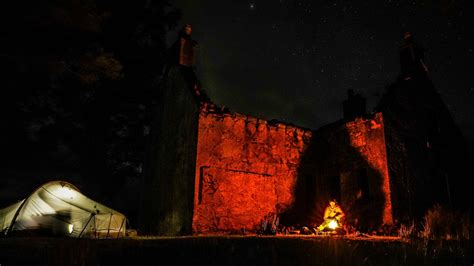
(294, 60)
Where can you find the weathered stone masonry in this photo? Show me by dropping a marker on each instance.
(357, 158)
(247, 168)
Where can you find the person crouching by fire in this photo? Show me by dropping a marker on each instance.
(332, 217)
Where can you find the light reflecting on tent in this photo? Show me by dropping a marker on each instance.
(64, 192)
(59, 208)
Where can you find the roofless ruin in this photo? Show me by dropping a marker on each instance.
(214, 171)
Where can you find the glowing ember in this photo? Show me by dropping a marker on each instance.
(332, 224)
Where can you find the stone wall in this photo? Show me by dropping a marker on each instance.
(367, 138)
(168, 189)
(246, 168)
(426, 150)
(350, 164)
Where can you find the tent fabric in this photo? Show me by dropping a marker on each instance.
(60, 208)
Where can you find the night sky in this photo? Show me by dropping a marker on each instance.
(295, 60)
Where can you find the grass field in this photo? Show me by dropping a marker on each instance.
(234, 250)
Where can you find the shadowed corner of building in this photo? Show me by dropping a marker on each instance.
(168, 183)
(169, 170)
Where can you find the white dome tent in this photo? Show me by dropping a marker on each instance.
(59, 208)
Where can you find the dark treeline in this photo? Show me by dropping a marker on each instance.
(79, 79)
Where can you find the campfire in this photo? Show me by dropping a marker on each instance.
(333, 225)
(333, 216)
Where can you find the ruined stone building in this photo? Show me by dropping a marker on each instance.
(214, 171)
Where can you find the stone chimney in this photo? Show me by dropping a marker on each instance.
(412, 63)
(354, 105)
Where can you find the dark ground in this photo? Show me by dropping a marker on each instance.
(233, 250)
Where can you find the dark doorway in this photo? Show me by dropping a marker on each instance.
(363, 183)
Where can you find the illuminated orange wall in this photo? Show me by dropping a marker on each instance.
(367, 137)
(247, 168)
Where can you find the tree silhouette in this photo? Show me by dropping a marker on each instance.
(80, 80)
